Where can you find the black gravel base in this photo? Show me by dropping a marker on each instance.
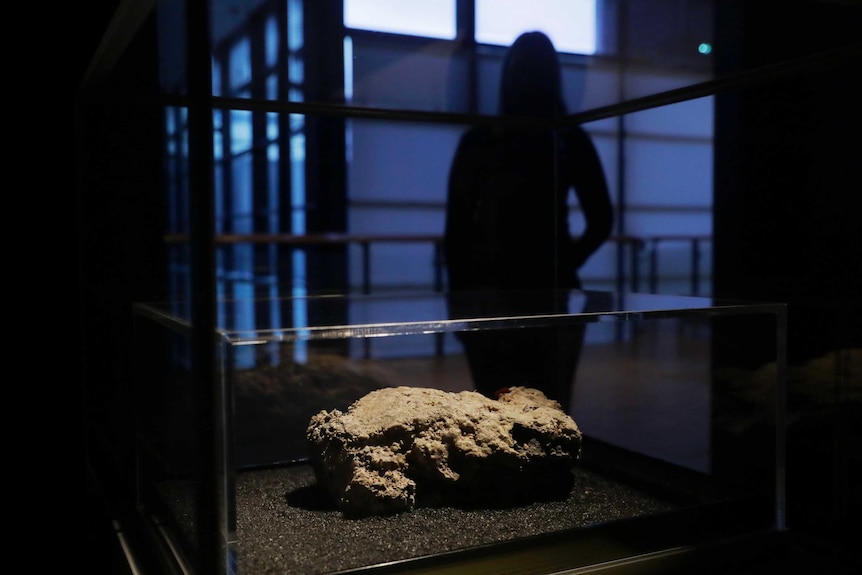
(284, 526)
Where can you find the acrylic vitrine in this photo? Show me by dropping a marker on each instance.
(680, 400)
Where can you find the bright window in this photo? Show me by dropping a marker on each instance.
(571, 24)
(429, 18)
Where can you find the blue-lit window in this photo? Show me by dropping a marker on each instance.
(571, 24)
(428, 18)
(258, 165)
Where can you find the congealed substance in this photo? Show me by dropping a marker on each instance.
(401, 447)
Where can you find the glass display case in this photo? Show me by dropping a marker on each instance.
(682, 432)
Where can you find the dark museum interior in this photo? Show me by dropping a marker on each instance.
(782, 202)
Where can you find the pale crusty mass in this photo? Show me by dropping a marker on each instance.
(401, 447)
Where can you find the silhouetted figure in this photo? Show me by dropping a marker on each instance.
(507, 225)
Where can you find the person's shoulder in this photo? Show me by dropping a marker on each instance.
(575, 133)
(576, 138)
(481, 137)
(481, 133)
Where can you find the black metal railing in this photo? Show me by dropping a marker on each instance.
(633, 250)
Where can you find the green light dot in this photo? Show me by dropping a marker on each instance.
(704, 48)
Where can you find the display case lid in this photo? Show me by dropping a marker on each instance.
(340, 316)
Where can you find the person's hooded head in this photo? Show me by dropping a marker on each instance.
(530, 83)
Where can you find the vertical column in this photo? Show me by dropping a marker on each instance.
(202, 225)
